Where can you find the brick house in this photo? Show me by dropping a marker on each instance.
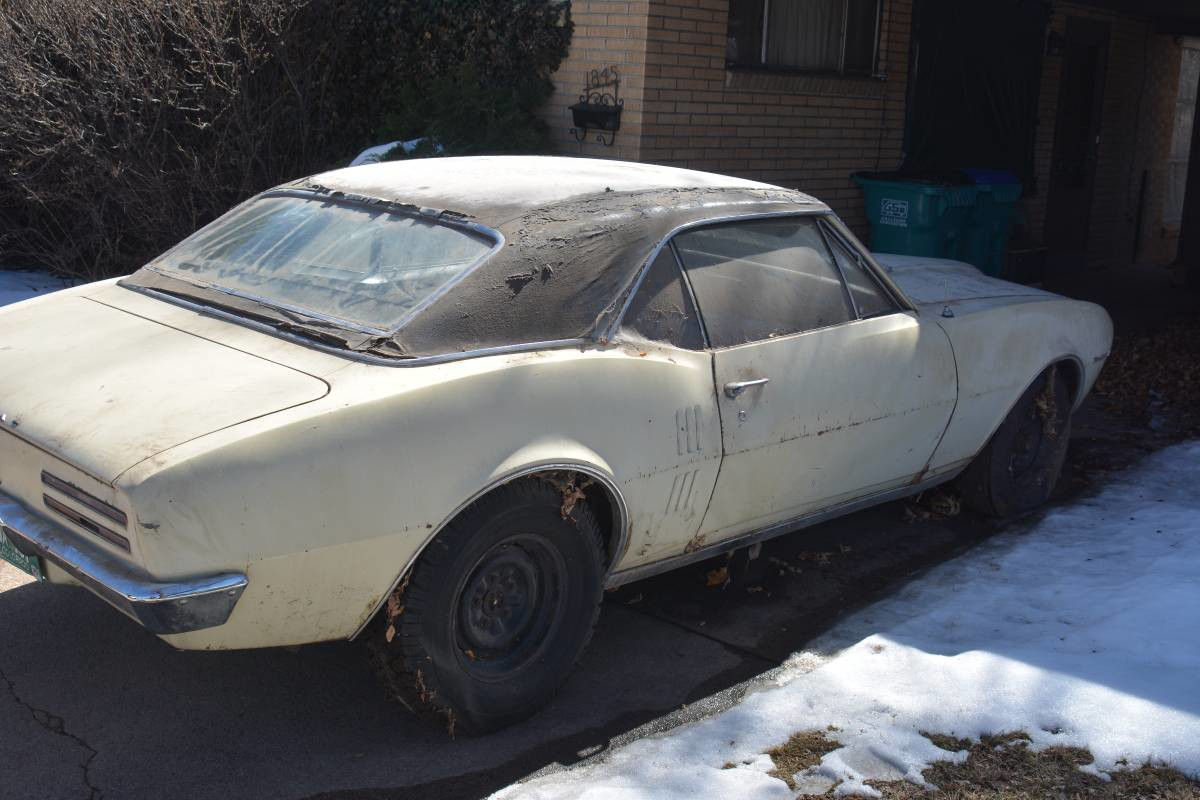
(803, 93)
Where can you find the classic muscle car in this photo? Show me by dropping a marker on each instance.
(449, 402)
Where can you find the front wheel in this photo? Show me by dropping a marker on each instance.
(1019, 467)
(499, 607)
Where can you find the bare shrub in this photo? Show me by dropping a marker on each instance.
(126, 122)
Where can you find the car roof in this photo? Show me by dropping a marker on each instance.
(494, 189)
(573, 235)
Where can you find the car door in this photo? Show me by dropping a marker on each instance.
(828, 388)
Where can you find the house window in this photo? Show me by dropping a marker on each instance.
(819, 35)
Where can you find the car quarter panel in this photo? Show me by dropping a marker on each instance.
(323, 507)
(1001, 345)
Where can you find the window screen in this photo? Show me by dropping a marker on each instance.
(869, 297)
(661, 310)
(758, 280)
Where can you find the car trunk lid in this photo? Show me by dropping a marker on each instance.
(104, 389)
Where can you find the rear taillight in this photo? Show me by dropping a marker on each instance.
(89, 502)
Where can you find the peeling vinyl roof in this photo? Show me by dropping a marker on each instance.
(495, 189)
(576, 232)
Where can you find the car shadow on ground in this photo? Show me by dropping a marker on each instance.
(89, 688)
(97, 707)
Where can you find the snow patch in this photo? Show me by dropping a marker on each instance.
(1079, 629)
(16, 286)
(373, 155)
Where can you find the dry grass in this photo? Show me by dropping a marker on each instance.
(945, 742)
(1001, 767)
(1004, 768)
(801, 751)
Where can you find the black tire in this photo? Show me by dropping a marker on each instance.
(499, 607)
(1017, 470)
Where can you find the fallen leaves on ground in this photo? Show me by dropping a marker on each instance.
(717, 578)
(1154, 377)
(936, 504)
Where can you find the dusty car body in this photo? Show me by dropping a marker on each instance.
(233, 478)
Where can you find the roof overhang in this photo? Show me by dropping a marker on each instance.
(1180, 17)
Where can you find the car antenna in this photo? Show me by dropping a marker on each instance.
(947, 311)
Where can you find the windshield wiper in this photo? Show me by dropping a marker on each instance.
(325, 332)
(276, 318)
(297, 317)
(316, 334)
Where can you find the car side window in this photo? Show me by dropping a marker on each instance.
(662, 310)
(762, 279)
(869, 297)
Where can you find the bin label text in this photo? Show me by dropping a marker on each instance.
(894, 212)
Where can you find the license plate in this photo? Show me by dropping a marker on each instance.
(10, 553)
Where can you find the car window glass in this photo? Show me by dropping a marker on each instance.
(761, 279)
(359, 264)
(869, 297)
(661, 310)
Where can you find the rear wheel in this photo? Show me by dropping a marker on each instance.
(1019, 467)
(499, 607)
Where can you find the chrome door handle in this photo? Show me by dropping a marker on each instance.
(732, 390)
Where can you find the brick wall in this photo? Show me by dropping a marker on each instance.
(683, 108)
(607, 33)
(801, 131)
(1136, 119)
(810, 132)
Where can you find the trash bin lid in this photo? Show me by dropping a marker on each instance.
(992, 177)
(939, 179)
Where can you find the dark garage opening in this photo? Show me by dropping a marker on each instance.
(974, 82)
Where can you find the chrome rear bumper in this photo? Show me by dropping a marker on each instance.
(160, 607)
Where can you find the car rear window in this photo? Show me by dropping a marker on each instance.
(369, 266)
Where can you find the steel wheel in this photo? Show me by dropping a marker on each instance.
(509, 607)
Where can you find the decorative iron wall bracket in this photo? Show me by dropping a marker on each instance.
(599, 107)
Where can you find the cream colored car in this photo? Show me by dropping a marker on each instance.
(449, 401)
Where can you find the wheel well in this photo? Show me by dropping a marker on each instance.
(1073, 374)
(602, 497)
(607, 512)
(603, 500)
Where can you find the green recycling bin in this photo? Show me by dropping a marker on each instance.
(984, 242)
(916, 216)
